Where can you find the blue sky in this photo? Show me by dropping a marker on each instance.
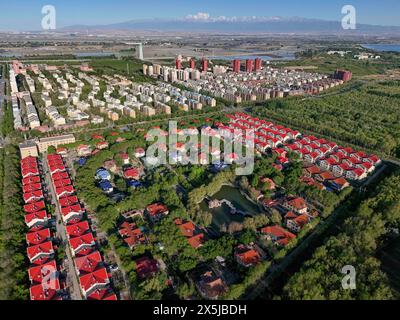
(26, 14)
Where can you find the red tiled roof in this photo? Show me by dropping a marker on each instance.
(33, 196)
(156, 208)
(301, 220)
(31, 187)
(247, 256)
(33, 207)
(358, 172)
(77, 230)
(146, 267)
(89, 263)
(340, 181)
(39, 215)
(60, 175)
(74, 208)
(29, 159)
(280, 233)
(37, 273)
(38, 292)
(29, 165)
(132, 173)
(31, 180)
(68, 201)
(53, 157)
(131, 234)
(102, 294)
(97, 137)
(62, 183)
(65, 190)
(345, 166)
(91, 280)
(83, 244)
(188, 228)
(38, 237)
(313, 170)
(57, 168)
(298, 203)
(26, 172)
(40, 253)
(326, 175)
(196, 241)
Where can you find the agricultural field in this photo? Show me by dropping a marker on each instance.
(324, 63)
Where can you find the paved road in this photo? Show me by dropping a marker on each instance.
(72, 278)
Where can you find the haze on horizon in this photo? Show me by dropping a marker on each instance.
(26, 15)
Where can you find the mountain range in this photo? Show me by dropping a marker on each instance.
(203, 23)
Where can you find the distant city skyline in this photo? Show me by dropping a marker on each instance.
(26, 15)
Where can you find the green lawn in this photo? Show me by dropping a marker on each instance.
(328, 63)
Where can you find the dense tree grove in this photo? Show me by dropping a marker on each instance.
(13, 275)
(357, 244)
(367, 117)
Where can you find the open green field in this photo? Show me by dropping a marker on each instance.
(325, 63)
(366, 114)
(121, 66)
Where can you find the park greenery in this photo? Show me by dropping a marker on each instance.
(361, 236)
(13, 264)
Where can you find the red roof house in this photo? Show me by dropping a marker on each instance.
(132, 173)
(40, 253)
(65, 191)
(78, 229)
(38, 273)
(157, 211)
(131, 234)
(247, 256)
(72, 212)
(60, 175)
(38, 237)
(89, 263)
(40, 292)
(27, 188)
(33, 207)
(68, 201)
(146, 267)
(83, 245)
(33, 196)
(278, 235)
(36, 220)
(93, 281)
(30, 180)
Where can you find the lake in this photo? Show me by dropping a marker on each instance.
(278, 55)
(383, 47)
(93, 54)
(222, 215)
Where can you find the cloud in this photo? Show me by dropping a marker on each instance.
(206, 17)
(200, 16)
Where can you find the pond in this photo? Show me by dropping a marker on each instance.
(222, 215)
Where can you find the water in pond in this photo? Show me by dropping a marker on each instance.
(383, 47)
(222, 215)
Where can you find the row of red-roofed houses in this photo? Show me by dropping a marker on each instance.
(43, 271)
(342, 162)
(90, 268)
